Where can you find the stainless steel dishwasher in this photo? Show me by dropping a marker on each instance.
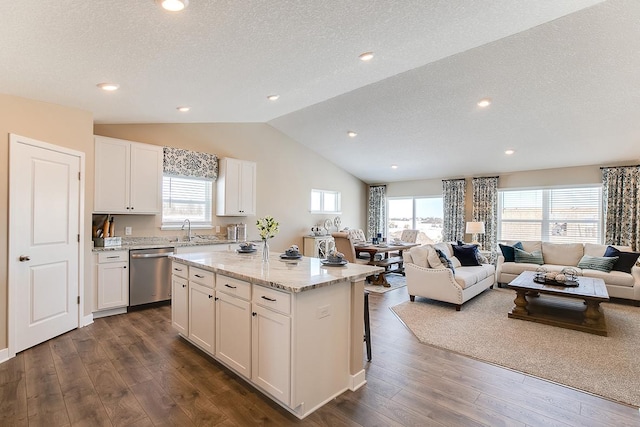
(149, 275)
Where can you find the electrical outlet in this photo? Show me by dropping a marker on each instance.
(127, 231)
(323, 311)
(217, 228)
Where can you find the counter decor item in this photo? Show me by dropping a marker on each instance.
(292, 253)
(267, 227)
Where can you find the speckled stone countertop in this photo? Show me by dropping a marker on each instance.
(129, 243)
(289, 275)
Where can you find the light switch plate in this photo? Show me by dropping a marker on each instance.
(127, 231)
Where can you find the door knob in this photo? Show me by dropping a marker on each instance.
(24, 258)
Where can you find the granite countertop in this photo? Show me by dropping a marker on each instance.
(129, 243)
(289, 275)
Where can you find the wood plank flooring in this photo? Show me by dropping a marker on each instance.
(133, 370)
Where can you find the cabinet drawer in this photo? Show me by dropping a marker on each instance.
(180, 270)
(113, 256)
(232, 286)
(273, 299)
(204, 277)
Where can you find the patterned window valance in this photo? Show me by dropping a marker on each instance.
(178, 161)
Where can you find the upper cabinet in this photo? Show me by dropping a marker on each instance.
(128, 177)
(236, 188)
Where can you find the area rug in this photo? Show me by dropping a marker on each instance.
(395, 280)
(605, 366)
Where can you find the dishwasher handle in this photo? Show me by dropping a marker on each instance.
(161, 255)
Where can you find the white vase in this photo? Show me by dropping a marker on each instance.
(265, 250)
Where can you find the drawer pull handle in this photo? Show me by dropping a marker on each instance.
(113, 257)
(177, 269)
(229, 286)
(199, 276)
(268, 299)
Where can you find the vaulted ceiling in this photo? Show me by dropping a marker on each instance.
(562, 75)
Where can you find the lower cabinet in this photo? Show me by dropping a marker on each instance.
(233, 332)
(201, 316)
(112, 279)
(180, 304)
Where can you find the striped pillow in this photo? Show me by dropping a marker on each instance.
(600, 263)
(534, 257)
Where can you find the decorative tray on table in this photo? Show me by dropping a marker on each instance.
(565, 283)
(285, 256)
(328, 263)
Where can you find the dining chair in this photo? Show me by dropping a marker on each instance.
(345, 245)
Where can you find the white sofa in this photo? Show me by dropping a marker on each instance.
(427, 277)
(557, 256)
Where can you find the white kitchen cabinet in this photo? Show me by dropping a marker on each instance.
(233, 324)
(202, 316)
(271, 342)
(128, 177)
(180, 303)
(112, 279)
(236, 188)
(318, 246)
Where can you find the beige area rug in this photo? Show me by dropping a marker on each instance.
(606, 366)
(395, 280)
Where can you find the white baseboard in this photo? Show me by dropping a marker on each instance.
(87, 320)
(4, 355)
(357, 380)
(110, 312)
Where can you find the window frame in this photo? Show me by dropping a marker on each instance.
(322, 194)
(413, 208)
(206, 224)
(547, 220)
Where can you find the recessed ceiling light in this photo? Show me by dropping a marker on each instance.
(366, 56)
(108, 86)
(273, 97)
(394, 166)
(173, 5)
(183, 109)
(484, 102)
(352, 134)
(509, 152)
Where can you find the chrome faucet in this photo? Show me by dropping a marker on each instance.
(186, 221)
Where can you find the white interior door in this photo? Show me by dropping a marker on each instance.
(44, 248)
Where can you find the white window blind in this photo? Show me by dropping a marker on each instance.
(186, 198)
(560, 215)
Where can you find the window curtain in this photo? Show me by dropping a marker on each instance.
(180, 162)
(621, 205)
(453, 194)
(377, 212)
(485, 209)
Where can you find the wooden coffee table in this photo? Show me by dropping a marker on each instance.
(557, 305)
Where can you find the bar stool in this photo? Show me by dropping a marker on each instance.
(367, 327)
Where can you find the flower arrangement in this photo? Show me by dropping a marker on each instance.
(267, 227)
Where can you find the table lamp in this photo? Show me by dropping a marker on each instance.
(474, 228)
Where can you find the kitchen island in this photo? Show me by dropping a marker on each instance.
(292, 328)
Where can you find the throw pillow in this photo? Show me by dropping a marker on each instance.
(599, 263)
(626, 260)
(466, 254)
(446, 261)
(508, 251)
(419, 254)
(433, 258)
(534, 257)
(481, 258)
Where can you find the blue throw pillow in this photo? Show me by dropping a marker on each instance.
(599, 263)
(626, 260)
(446, 261)
(466, 254)
(534, 257)
(508, 251)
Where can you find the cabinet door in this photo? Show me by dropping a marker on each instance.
(146, 179)
(113, 285)
(180, 304)
(247, 191)
(233, 333)
(111, 175)
(201, 316)
(271, 352)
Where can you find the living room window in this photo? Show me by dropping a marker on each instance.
(326, 202)
(415, 213)
(186, 198)
(559, 215)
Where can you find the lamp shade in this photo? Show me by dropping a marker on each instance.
(475, 227)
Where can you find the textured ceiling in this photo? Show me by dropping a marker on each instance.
(562, 75)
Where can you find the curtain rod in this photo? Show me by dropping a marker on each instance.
(482, 177)
(619, 167)
(456, 179)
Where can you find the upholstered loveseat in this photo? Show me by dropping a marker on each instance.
(556, 256)
(428, 277)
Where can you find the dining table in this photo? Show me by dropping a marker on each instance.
(386, 261)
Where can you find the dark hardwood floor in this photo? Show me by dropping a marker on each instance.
(133, 370)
